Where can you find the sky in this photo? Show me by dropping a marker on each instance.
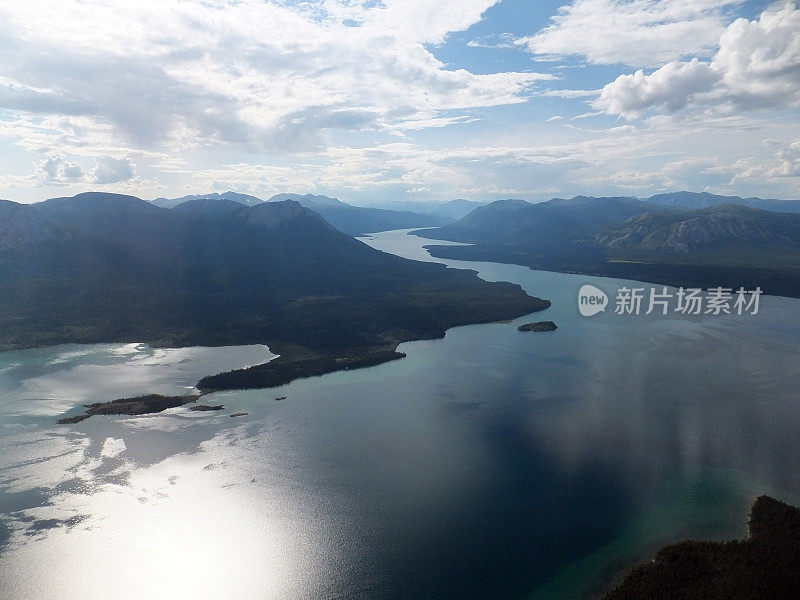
(376, 102)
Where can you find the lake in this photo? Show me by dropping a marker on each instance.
(488, 464)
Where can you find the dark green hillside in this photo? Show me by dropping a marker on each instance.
(544, 226)
(766, 566)
(723, 245)
(726, 233)
(105, 268)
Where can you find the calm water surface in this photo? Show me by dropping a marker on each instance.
(488, 464)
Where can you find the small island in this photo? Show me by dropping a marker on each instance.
(538, 326)
(206, 407)
(140, 405)
(284, 369)
(762, 567)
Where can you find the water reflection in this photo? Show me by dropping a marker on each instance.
(488, 464)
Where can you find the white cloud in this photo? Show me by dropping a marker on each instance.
(641, 158)
(253, 74)
(347, 98)
(56, 170)
(789, 161)
(756, 66)
(483, 170)
(670, 88)
(639, 33)
(759, 61)
(112, 170)
(569, 94)
(783, 165)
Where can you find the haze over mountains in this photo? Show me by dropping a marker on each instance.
(452, 209)
(349, 219)
(244, 199)
(706, 200)
(358, 220)
(723, 244)
(106, 267)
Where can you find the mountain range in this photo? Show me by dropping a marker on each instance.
(359, 220)
(720, 245)
(244, 199)
(102, 267)
(349, 219)
(706, 200)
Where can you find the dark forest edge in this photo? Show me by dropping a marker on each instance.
(762, 567)
(775, 281)
(108, 268)
(296, 363)
(284, 369)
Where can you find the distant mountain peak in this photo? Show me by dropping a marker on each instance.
(694, 200)
(98, 203)
(272, 214)
(509, 202)
(243, 199)
(308, 199)
(208, 207)
(94, 200)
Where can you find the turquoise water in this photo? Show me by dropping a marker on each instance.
(488, 464)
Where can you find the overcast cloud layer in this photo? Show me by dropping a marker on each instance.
(404, 99)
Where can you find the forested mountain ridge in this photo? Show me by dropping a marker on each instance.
(114, 268)
(721, 245)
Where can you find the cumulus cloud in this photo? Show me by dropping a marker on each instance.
(781, 168)
(112, 170)
(261, 75)
(639, 33)
(57, 170)
(154, 96)
(640, 158)
(759, 61)
(757, 65)
(670, 87)
(788, 161)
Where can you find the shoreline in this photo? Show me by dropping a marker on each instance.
(682, 275)
(146, 404)
(291, 363)
(287, 368)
